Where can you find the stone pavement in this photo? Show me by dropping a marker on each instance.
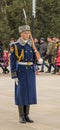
(46, 114)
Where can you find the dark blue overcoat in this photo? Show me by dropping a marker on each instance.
(25, 91)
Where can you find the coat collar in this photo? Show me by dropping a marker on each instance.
(23, 43)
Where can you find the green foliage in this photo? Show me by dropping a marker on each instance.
(48, 17)
(47, 21)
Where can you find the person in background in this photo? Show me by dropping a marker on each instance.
(23, 56)
(38, 47)
(50, 53)
(56, 43)
(12, 41)
(5, 62)
(1, 54)
(42, 50)
(36, 44)
(1, 49)
(58, 60)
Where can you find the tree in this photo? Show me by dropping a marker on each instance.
(47, 21)
(48, 17)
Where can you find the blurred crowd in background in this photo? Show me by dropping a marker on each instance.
(49, 51)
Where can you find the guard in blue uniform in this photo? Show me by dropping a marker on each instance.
(22, 63)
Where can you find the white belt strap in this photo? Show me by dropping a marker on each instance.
(25, 63)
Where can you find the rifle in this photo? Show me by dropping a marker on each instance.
(25, 16)
(33, 45)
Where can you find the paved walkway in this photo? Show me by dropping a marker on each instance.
(46, 114)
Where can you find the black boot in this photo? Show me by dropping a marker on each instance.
(22, 119)
(26, 113)
(28, 119)
(21, 114)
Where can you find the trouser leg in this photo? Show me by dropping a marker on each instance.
(42, 67)
(55, 70)
(46, 65)
(49, 69)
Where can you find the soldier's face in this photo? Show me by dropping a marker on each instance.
(25, 35)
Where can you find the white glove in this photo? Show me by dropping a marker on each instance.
(16, 81)
(40, 61)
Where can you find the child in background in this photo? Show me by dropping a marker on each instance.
(5, 62)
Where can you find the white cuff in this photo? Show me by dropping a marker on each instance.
(40, 61)
(35, 51)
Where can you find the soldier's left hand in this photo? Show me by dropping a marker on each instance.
(16, 81)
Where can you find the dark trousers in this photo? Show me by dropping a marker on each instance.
(50, 57)
(44, 64)
(50, 65)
